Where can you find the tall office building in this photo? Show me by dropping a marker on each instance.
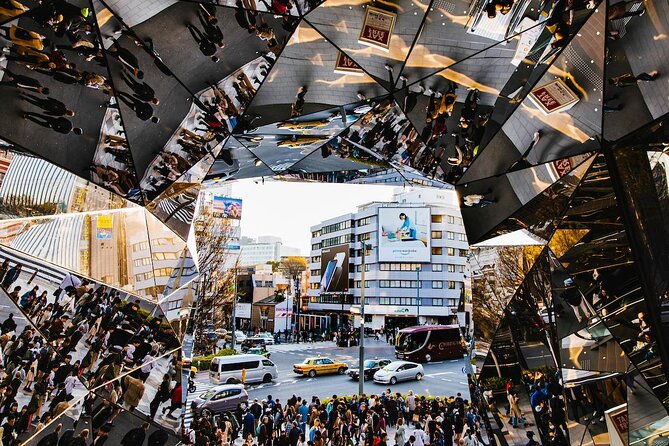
(416, 269)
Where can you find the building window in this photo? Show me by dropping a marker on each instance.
(436, 234)
(463, 253)
(437, 284)
(461, 268)
(451, 268)
(437, 267)
(356, 284)
(437, 218)
(450, 235)
(144, 261)
(340, 226)
(314, 286)
(436, 302)
(451, 251)
(358, 268)
(315, 246)
(462, 237)
(451, 219)
(316, 259)
(436, 251)
(315, 272)
(365, 236)
(451, 284)
(364, 221)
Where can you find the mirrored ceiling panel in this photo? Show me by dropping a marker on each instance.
(557, 113)
(311, 75)
(56, 90)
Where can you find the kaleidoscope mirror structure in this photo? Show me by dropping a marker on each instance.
(548, 118)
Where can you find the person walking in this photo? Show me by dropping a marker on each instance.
(24, 82)
(628, 79)
(207, 47)
(11, 276)
(57, 124)
(50, 106)
(142, 110)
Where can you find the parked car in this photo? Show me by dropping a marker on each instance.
(370, 368)
(239, 337)
(219, 399)
(319, 366)
(258, 351)
(399, 371)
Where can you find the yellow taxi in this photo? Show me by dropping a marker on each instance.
(319, 366)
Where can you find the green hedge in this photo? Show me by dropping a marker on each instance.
(203, 362)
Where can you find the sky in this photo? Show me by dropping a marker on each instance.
(288, 210)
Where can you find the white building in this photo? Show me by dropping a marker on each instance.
(396, 294)
(265, 249)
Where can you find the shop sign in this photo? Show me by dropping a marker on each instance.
(346, 65)
(377, 28)
(553, 97)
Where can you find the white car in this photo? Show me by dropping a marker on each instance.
(267, 337)
(399, 371)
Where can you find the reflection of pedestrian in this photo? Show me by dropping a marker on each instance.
(57, 124)
(50, 106)
(298, 106)
(207, 47)
(620, 10)
(628, 79)
(142, 110)
(411, 98)
(11, 276)
(479, 200)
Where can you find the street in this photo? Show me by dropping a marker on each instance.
(442, 378)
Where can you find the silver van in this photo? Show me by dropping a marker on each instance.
(228, 369)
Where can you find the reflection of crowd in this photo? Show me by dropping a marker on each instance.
(371, 420)
(91, 334)
(221, 105)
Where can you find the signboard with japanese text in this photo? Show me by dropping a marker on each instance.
(377, 28)
(346, 65)
(104, 225)
(553, 97)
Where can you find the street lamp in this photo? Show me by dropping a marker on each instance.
(361, 366)
(418, 295)
(233, 341)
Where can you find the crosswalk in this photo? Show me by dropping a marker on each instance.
(204, 386)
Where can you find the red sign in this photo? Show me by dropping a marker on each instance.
(621, 422)
(377, 28)
(553, 96)
(563, 166)
(347, 65)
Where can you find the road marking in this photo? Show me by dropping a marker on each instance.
(440, 373)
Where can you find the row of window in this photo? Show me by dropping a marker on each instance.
(434, 284)
(332, 228)
(334, 241)
(265, 284)
(364, 221)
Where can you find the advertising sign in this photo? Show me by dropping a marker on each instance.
(346, 65)
(404, 234)
(104, 225)
(377, 28)
(617, 423)
(225, 207)
(243, 311)
(553, 97)
(334, 269)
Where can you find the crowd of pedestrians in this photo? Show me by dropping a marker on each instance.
(370, 420)
(85, 335)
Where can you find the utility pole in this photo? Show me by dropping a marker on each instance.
(418, 295)
(361, 366)
(297, 298)
(234, 309)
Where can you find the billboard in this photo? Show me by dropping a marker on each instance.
(225, 207)
(404, 234)
(334, 269)
(104, 225)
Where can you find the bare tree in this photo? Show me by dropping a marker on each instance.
(216, 287)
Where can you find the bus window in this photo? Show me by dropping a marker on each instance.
(411, 341)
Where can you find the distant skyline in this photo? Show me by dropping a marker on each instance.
(287, 210)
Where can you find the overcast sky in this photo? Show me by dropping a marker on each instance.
(288, 210)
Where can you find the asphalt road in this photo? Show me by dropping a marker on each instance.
(442, 378)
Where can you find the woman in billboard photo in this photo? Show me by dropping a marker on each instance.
(407, 231)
